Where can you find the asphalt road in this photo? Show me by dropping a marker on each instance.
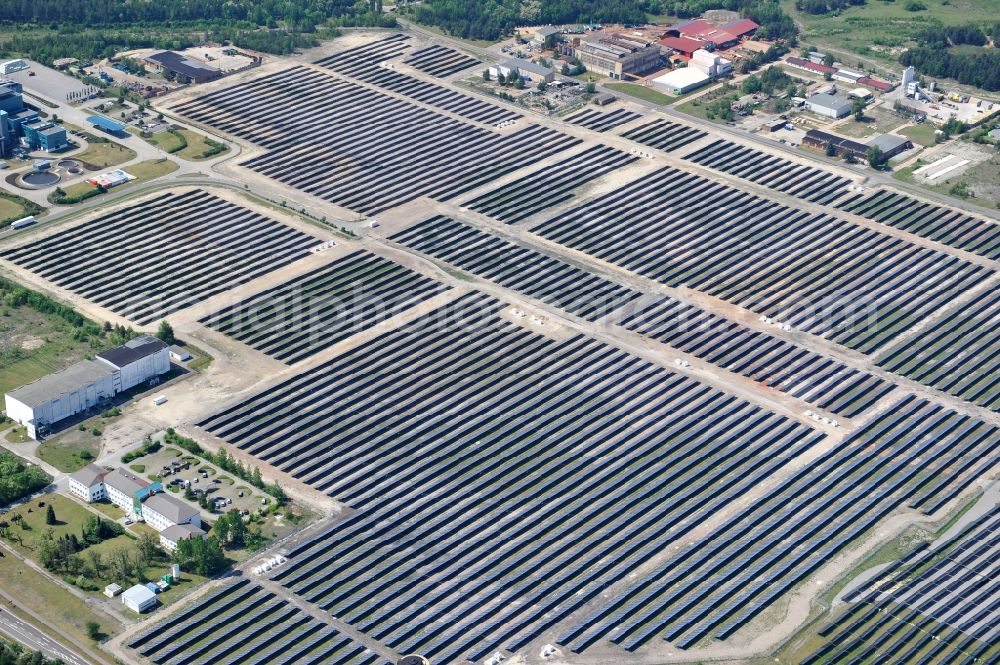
(35, 639)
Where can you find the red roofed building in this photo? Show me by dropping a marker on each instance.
(704, 31)
(884, 86)
(741, 27)
(799, 63)
(682, 45)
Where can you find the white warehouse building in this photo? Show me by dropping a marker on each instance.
(711, 63)
(86, 384)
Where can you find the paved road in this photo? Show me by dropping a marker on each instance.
(33, 638)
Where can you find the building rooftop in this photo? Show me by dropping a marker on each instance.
(527, 66)
(683, 77)
(888, 142)
(178, 532)
(49, 131)
(840, 142)
(684, 44)
(812, 66)
(739, 27)
(131, 351)
(138, 594)
(106, 124)
(52, 386)
(829, 101)
(124, 481)
(181, 64)
(89, 475)
(173, 509)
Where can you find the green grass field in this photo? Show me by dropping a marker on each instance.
(69, 453)
(143, 171)
(194, 144)
(36, 344)
(105, 154)
(878, 30)
(10, 208)
(641, 92)
(922, 134)
(66, 613)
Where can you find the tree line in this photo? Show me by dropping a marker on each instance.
(493, 19)
(18, 480)
(12, 653)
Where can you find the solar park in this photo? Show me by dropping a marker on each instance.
(565, 395)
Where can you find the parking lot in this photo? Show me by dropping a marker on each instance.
(51, 83)
(175, 468)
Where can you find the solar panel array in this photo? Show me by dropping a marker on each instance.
(792, 178)
(939, 605)
(362, 63)
(772, 361)
(602, 121)
(362, 149)
(525, 270)
(440, 61)
(944, 225)
(665, 135)
(549, 186)
(720, 582)
(241, 623)
(486, 476)
(685, 230)
(959, 353)
(299, 318)
(151, 259)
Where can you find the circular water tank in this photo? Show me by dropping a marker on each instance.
(413, 659)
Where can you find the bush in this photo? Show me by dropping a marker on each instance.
(148, 447)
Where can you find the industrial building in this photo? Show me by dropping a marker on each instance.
(829, 105)
(714, 65)
(86, 384)
(544, 33)
(172, 535)
(710, 35)
(106, 124)
(819, 139)
(14, 116)
(680, 81)
(43, 135)
(523, 68)
(182, 67)
(88, 483)
(684, 46)
(890, 144)
(617, 55)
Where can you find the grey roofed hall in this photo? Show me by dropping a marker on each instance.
(124, 481)
(133, 350)
(888, 142)
(52, 386)
(89, 475)
(171, 508)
